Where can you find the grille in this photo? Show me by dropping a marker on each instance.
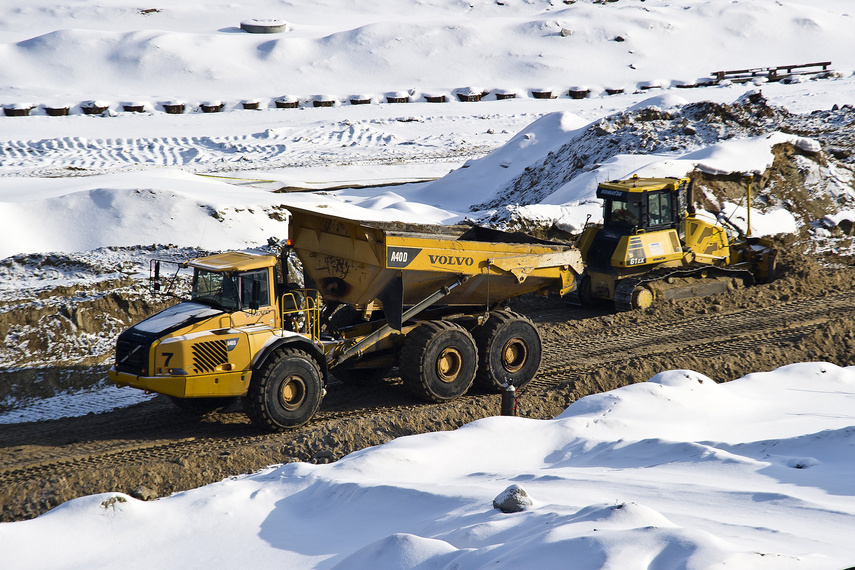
(132, 349)
(208, 355)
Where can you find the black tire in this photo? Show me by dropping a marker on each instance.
(201, 406)
(438, 361)
(286, 391)
(509, 348)
(360, 376)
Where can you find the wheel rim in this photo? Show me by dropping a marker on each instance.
(514, 354)
(292, 393)
(449, 364)
(642, 298)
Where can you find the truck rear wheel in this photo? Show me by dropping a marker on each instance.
(509, 348)
(286, 391)
(438, 361)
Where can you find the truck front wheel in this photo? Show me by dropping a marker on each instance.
(438, 361)
(286, 391)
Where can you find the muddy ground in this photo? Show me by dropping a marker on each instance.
(152, 449)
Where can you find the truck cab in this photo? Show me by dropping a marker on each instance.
(209, 346)
(238, 283)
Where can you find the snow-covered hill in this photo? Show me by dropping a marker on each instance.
(198, 51)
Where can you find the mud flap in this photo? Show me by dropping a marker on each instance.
(392, 297)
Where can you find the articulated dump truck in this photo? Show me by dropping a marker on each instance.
(376, 295)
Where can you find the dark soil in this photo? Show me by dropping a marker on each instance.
(153, 449)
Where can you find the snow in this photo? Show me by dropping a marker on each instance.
(676, 472)
(98, 399)
(141, 206)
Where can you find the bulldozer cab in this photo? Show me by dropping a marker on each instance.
(649, 204)
(642, 224)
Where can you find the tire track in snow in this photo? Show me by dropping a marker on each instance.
(328, 144)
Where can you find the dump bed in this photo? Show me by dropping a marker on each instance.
(362, 262)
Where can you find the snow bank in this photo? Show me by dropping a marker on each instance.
(679, 470)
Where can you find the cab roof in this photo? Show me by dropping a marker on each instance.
(246, 260)
(638, 185)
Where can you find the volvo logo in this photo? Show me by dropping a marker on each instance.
(451, 260)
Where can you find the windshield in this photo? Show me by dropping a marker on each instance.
(230, 291)
(622, 213)
(216, 289)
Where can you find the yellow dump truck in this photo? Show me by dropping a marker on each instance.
(424, 298)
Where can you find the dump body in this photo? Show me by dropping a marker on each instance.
(354, 262)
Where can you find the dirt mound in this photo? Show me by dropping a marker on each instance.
(809, 181)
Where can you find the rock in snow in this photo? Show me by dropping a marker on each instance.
(512, 500)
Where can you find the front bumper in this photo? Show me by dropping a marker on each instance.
(224, 384)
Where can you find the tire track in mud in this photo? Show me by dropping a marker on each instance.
(562, 370)
(566, 360)
(724, 324)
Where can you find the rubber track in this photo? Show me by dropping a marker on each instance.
(624, 289)
(565, 360)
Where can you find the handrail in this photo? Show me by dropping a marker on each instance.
(306, 303)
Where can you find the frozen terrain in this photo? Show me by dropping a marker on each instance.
(678, 472)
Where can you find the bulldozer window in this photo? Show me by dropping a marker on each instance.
(623, 213)
(659, 209)
(246, 281)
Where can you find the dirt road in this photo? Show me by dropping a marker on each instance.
(153, 449)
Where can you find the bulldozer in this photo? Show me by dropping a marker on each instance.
(375, 295)
(653, 246)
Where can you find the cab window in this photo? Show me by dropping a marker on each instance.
(246, 281)
(623, 213)
(659, 209)
(215, 289)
